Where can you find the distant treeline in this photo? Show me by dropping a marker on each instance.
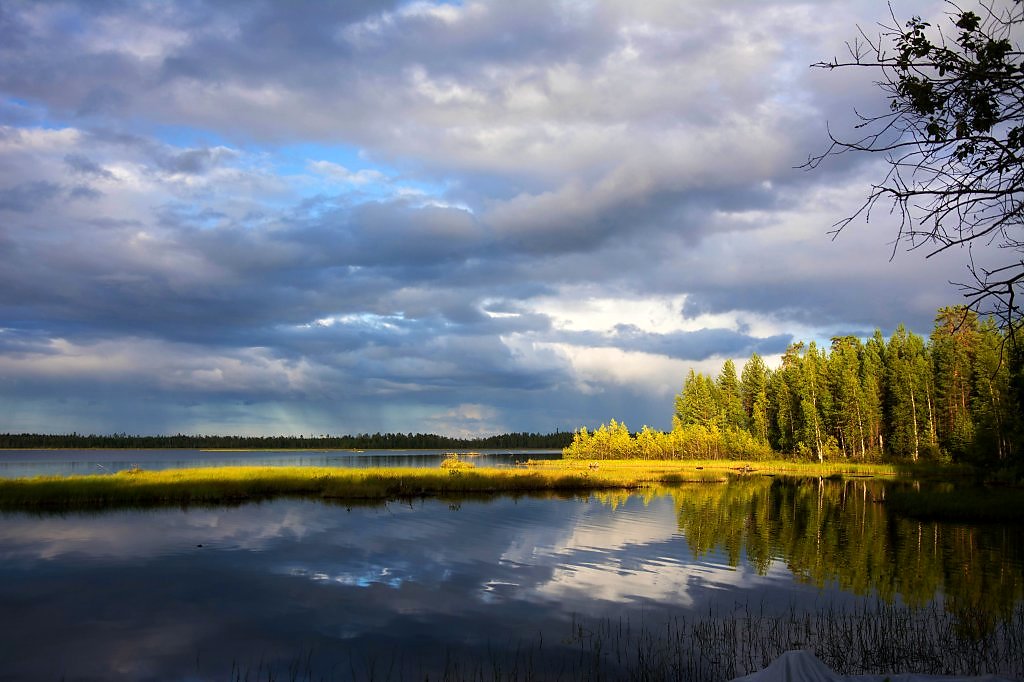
(957, 396)
(363, 441)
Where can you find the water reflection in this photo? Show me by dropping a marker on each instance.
(176, 593)
(839, 532)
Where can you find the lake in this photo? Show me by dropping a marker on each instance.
(545, 587)
(21, 463)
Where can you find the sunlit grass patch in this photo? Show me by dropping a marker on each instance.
(229, 484)
(226, 484)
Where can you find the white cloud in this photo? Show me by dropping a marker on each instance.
(339, 173)
(598, 369)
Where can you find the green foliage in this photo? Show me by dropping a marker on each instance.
(611, 441)
(730, 402)
(685, 442)
(699, 402)
(754, 394)
(907, 372)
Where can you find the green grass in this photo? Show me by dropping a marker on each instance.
(214, 485)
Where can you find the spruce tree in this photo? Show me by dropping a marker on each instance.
(754, 393)
(847, 418)
(906, 379)
(953, 344)
(698, 402)
(729, 400)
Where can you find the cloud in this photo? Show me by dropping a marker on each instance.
(27, 196)
(467, 216)
(165, 366)
(86, 166)
(341, 174)
(196, 161)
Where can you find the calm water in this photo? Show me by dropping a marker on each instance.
(285, 588)
(19, 463)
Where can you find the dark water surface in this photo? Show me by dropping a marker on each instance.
(22, 463)
(297, 589)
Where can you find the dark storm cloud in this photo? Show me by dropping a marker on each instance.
(394, 234)
(297, 41)
(84, 192)
(194, 161)
(697, 345)
(14, 341)
(582, 220)
(27, 196)
(86, 166)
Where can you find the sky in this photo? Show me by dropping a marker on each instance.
(460, 218)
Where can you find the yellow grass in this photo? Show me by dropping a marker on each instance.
(227, 484)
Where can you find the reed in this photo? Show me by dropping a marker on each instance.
(870, 639)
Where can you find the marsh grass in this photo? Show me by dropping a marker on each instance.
(229, 484)
(211, 485)
(876, 638)
(882, 638)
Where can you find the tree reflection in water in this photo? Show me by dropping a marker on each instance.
(839, 532)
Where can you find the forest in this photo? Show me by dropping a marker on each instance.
(363, 441)
(954, 397)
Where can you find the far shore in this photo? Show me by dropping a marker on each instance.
(352, 450)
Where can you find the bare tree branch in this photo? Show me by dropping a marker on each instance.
(953, 139)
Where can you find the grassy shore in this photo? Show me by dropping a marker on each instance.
(230, 484)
